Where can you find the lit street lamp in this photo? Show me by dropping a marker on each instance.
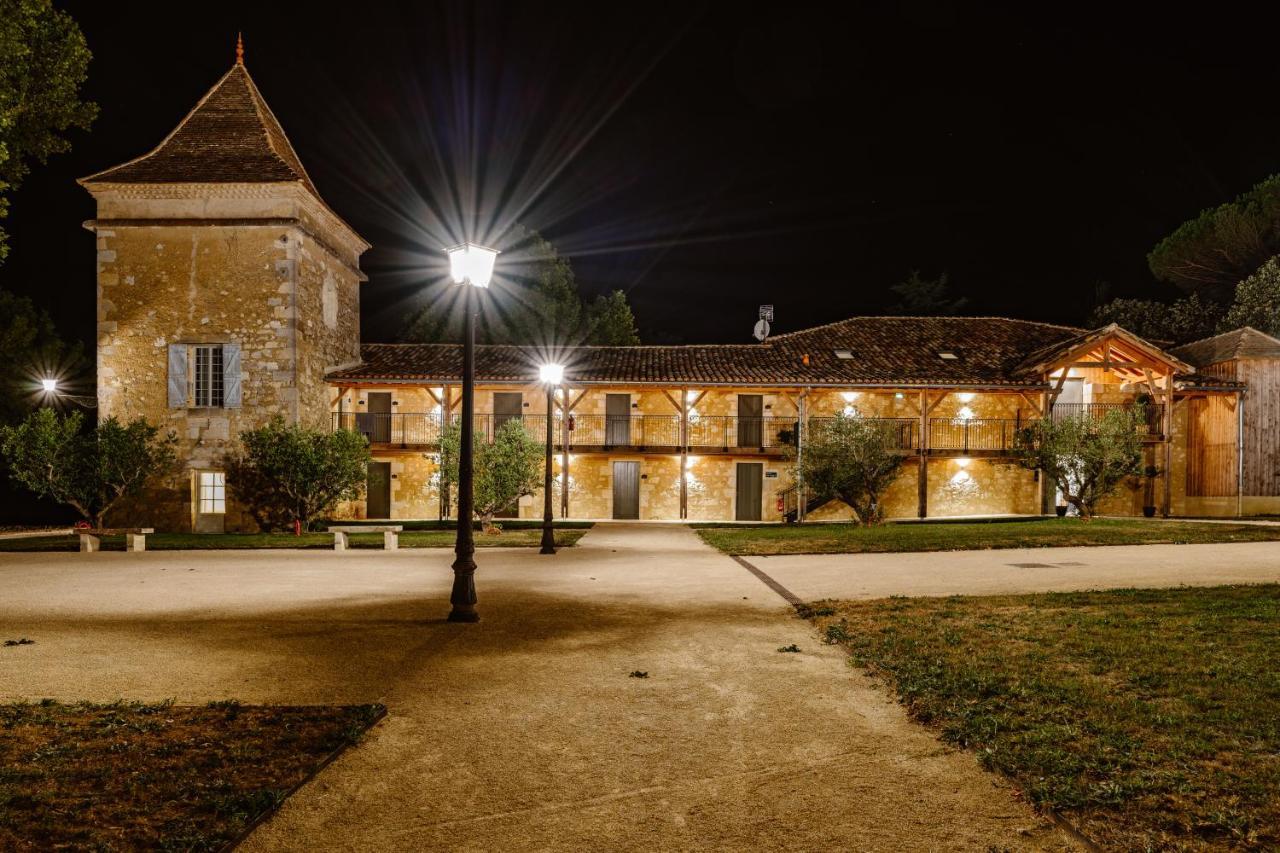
(50, 386)
(471, 267)
(552, 375)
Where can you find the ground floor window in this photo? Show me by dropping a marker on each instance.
(213, 492)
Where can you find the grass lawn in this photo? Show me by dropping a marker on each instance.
(131, 776)
(1149, 718)
(962, 536)
(439, 538)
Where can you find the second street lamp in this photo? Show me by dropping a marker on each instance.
(471, 267)
(551, 375)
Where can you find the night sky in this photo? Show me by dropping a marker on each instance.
(708, 158)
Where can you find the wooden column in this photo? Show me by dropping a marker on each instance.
(802, 428)
(1239, 454)
(564, 451)
(684, 453)
(446, 408)
(1045, 497)
(922, 473)
(1168, 443)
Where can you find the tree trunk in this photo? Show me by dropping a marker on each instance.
(487, 525)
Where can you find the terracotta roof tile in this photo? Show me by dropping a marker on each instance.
(1245, 342)
(883, 351)
(231, 136)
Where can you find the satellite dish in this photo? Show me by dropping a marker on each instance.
(762, 330)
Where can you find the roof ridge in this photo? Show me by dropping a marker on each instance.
(163, 142)
(259, 106)
(1240, 331)
(925, 317)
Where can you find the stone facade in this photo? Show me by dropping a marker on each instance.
(221, 264)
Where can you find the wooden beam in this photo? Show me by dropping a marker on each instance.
(922, 471)
(1035, 407)
(1053, 396)
(698, 399)
(671, 400)
(576, 401)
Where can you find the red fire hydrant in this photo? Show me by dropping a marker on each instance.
(297, 527)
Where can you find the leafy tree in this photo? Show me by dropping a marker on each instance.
(43, 62)
(503, 471)
(535, 301)
(29, 347)
(1257, 301)
(91, 470)
(852, 459)
(1086, 455)
(297, 473)
(610, 321)
(1222, 245)
(1182, 320)
(926, 297)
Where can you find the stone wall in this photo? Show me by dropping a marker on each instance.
(181, 264)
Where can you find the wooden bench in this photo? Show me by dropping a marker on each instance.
(135, 538)
(390, 534)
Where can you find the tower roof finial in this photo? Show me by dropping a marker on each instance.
(239, 49)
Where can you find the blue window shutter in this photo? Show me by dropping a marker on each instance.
(231, 376)
(177, 376)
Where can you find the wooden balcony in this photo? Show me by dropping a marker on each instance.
(706, 435)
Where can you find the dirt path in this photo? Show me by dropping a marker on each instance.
(523, 732)
(1022, 570)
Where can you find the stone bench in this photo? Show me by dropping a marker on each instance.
(390, 534)
(135, 538)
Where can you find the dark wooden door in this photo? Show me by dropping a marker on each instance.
(617, 420)
(378, 490)
(626, 490)
(750, 492)
(378, 417)
(507, 406)
(750, 420)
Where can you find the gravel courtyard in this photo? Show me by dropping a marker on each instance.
(524, 731)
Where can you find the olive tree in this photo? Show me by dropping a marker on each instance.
(851, 459)
(91, 470)
(290, 472)
(1088, 456)
(502, 471)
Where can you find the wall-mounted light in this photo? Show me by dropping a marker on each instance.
(966, 396)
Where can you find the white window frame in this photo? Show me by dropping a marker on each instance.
(211, 492)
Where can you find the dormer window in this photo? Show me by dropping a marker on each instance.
(948, 355)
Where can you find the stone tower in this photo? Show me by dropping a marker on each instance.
(227, 289)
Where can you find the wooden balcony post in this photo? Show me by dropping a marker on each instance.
(922, 472)
(684, 452)
(1168, 443)
(801, 430)
(564, 451)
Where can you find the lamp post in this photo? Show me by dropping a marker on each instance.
(471, 267)
(552, 375)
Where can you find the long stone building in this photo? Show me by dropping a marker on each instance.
(228, 292)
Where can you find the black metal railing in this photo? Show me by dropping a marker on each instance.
(610, 431)
(1152, 420)
(903, 431)
(709, 433)
(973, 433)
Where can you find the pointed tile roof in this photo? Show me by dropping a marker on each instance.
(1245, 342)
(231, 136)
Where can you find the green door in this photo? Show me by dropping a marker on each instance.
(378, 490)
(750, 492)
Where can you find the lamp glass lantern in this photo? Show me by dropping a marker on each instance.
(471, 264)
(49, 385)
(551, 374)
